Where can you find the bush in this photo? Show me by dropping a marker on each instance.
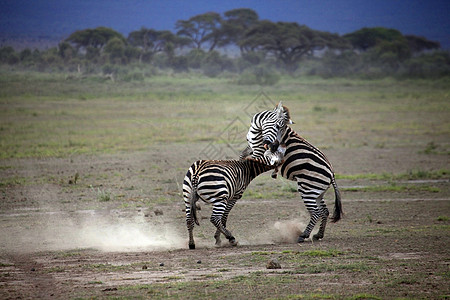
(332, 64)
(213, 64)
(260, 75)
(434, 65)
(134, 76)
(195, 58)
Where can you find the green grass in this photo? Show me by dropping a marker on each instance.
(15, 180)
(393, 188)
(49, 115)
(411, 175)
(102, 195)
(322, 253)
(364, 296)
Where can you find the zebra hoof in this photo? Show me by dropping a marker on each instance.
(192, 246)
(302, 238)
(233, 242)
(218, 243)
(317, 237)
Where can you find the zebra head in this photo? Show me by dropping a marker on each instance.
(283, 115)
(274, 127)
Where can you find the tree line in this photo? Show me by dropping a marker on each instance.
(239, 42)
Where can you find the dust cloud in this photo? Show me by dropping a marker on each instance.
(279, 232)
(121, 231)
(128, 236)
(288, 231)
(62, 231)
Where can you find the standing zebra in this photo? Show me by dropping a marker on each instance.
(222, 183)
(314, 174)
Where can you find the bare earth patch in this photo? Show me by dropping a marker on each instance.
(119, 231)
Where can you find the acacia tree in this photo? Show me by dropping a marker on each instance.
(289, 42)
(418, 44)
(201, 30)
(388, 47)
(95, 38)
(152, 41)
(366, 38)
(235, 24)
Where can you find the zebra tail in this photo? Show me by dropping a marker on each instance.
(193, 203)
(337, 214)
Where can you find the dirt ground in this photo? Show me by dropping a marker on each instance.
(112, 226)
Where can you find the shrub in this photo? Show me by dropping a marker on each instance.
(259, 75)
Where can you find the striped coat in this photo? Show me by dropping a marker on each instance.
(220, 183)
(313, 172)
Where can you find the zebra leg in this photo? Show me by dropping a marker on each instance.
(218, 212)
(217, 237)
(230, 205)
(274, 173)
(246, 152)
(325, 213)
(190, 226)
(309, 198)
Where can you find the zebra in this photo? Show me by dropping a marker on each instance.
(265, 132)
(222, 183)
(314, 174)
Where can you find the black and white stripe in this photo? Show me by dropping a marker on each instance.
(314, 174)
(221, 183)
(265, 131)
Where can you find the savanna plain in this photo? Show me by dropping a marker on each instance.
(91, 174)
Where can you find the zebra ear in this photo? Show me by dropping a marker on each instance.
(280, 110)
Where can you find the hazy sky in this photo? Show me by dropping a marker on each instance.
(59, 18)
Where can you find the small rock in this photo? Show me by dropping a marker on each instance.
(161, 264)
(144, 267)
(273, 264)
(199, 261)
(158, 212)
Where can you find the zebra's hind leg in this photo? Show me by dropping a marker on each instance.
(314, 217)
(320, 234)
(190, 227)
(324, 213)
(311, 199)
(216, 218)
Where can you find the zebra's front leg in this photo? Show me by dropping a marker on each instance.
(218, 213)
(228, 208)
(217, 237)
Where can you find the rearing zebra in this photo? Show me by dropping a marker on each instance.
(222, 183)
(265, 132)
(314, 174)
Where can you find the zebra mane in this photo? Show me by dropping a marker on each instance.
(286, 113)
(259, 161)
